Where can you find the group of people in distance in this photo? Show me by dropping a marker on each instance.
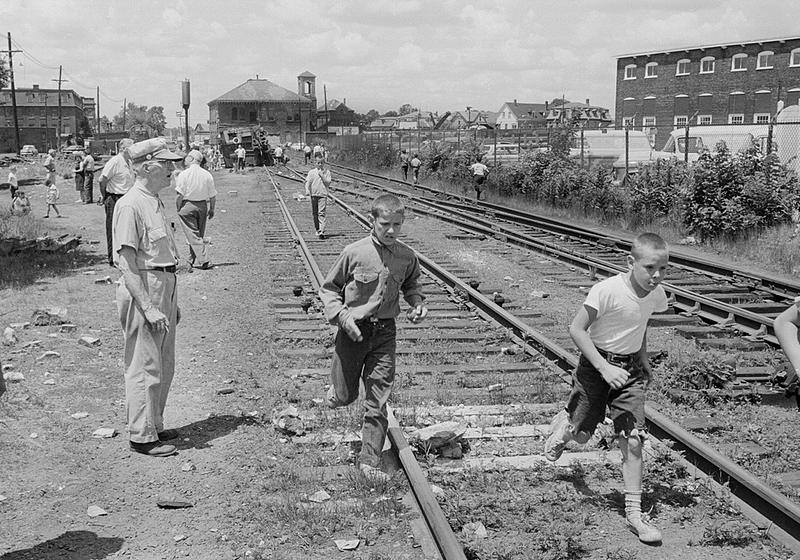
(478, 170)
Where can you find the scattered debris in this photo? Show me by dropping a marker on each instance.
(297, 290)
(104, 280)
(79, 415)
(495, 387)
(49, 354)
(13, 376)
(319, 496)
(49, 382)
(508, 351)
(33, 435)
(7, 367)
(67, 328)
(346, 544)
(690, 240)
(288, 421)
(104, 433)
(437, 490)
(24, 325)
(2, 498)
(188, 466)
(473, 531)
(63, 244)
(31, 343)
(173, 504)
(539, 294)
(49, 316)
(95, 511)
(9, 336)
(438, 435)
(474, 284)
(179, 538)
(452, 450)
(508, 279)
(226, 391)
(89, 341)
(498, 298)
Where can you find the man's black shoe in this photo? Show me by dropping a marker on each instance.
(153, 449)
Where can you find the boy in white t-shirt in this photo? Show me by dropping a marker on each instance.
(610, 331)
(13, 182)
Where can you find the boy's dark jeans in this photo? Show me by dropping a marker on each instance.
(373, 360)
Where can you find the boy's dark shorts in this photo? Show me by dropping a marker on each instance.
(591, 395)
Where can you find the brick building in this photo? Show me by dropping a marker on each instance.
(37, 115)
(266, 105)
(731, 83)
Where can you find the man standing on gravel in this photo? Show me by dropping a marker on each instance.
(115, 180)
(195, 202)
(317, 182)
(147, 301)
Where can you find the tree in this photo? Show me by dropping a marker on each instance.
(390, 114)
(559, 101)
(135, 115)
(371, 115)
(156, 121)
(406, 108)
(5, 75)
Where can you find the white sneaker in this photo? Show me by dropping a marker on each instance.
(555, 444)
(647, 533)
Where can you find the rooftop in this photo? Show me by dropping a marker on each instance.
(260, 90)
(709, 46)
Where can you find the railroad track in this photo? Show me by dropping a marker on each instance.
(455, 350)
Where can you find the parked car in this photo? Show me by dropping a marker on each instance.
(71, 149)
(501, 153)
(29, 150)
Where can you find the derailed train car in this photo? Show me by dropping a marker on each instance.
(255, 142)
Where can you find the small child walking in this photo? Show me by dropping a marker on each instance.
(52, 197)
(13, 181)
(610, 331)
(361, 294)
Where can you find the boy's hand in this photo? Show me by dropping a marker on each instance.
(614, 375)
(350, 327)
(417, 314)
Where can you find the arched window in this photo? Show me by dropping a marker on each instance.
(765, 60)
(651, 70)
(707, 65)
(682, 67)
(794, 58)
(739, 62)
(630, 72)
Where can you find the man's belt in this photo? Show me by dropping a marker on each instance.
(375, 322)
(171, 268)
(619, 359)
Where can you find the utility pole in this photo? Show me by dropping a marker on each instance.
(185, 101)
(124, 109)
(13, 92)
(97, 112)
(325, 94)
(59, 80)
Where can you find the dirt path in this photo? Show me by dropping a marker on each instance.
(52, 469)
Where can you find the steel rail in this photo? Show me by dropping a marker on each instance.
(766, 282)
(439, 527)
(710, 310)
(783, 514)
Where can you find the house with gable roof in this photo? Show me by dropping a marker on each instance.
(264, 104)
(513, 115)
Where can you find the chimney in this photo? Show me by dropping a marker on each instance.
(587, 100)
(546, 106)
(515, 102)
(35, 86)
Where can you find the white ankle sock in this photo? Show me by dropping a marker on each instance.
(633, 505)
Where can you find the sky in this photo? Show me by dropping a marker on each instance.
(437, 55)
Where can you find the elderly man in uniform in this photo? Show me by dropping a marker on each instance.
(115, 180)
(195, 202)
(147, 301)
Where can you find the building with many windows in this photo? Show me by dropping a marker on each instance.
(37, 116)
(722, 83)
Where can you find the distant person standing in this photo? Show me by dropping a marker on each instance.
(241, 154)
(415, 164)
(13, 181)
(307, 153)
(116, 179)
(50, 165)
(404, 164)
(78, 170)
(479, 174)
(195, 203)
(278, 154)
(317, 182)
(88, 178)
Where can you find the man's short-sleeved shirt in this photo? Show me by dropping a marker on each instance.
(241, 152)
(88, 163)
(479, 169)
(278, 151)
(621, 315)
(50, 163)
(140, 222)
(119, 174)
(195, 184)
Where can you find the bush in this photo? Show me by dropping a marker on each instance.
(658, 192)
